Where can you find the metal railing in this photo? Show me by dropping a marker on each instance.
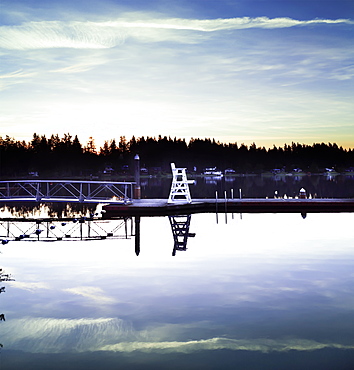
(66, 191)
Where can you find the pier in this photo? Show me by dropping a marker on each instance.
(68, 191)
(123, 199)
(161, 207)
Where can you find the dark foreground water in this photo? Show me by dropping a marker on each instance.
(261, 291)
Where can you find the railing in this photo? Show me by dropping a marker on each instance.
(66, 191)
(50, 229)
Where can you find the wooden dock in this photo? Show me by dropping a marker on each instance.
(160, 207)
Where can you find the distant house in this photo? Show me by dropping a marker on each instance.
(108, 170)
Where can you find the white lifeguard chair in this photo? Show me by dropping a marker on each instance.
(179, 188)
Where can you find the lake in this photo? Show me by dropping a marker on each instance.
(326, 185)
(251, 291)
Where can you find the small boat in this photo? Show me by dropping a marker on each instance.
(212, 171)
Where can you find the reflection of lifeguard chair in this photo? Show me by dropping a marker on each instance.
(179, 187)
(180, 231)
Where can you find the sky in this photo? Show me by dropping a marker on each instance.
(268, 72)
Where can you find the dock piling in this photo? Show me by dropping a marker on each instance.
(225, 206)
(137, 190)
(232, 199)
(216, 205)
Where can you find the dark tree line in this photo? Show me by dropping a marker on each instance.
(67, 157)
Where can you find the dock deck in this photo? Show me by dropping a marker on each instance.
(160, 207)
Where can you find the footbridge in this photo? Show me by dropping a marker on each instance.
(66, 191)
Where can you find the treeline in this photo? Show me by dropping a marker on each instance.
(66, 156)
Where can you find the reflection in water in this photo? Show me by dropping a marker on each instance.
(32, 209)
(62, 229)
(4, 277)
(88, 229)
(212, 180)
(269, 291)
(260, 186)
(137, 235)
(15, 229)
(180, 231)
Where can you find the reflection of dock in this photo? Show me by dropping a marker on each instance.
(50, 229)
(160, 207)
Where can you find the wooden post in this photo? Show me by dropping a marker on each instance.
(232, 199)
(137, 190)
(225, 207)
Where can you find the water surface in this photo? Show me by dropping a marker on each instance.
(261, 291)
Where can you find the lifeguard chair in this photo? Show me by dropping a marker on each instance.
(179, 188)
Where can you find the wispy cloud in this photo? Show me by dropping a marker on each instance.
(93, 293)
(261, 345)
(47, 335)
(16, 74)
(108, 34)
(13, 78)
(211, 25)
(56, 34)
(76, 68)
(28, 286)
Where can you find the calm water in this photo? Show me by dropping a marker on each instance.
(262, 291)
(253, 186)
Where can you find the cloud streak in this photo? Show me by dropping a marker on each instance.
(31, 287)
(56, 34)
(47, 335)
(108, 34)
(92, 293)
(261, 345)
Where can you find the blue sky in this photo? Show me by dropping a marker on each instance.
(269, 72)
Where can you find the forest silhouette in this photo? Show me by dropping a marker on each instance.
(56, 157)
